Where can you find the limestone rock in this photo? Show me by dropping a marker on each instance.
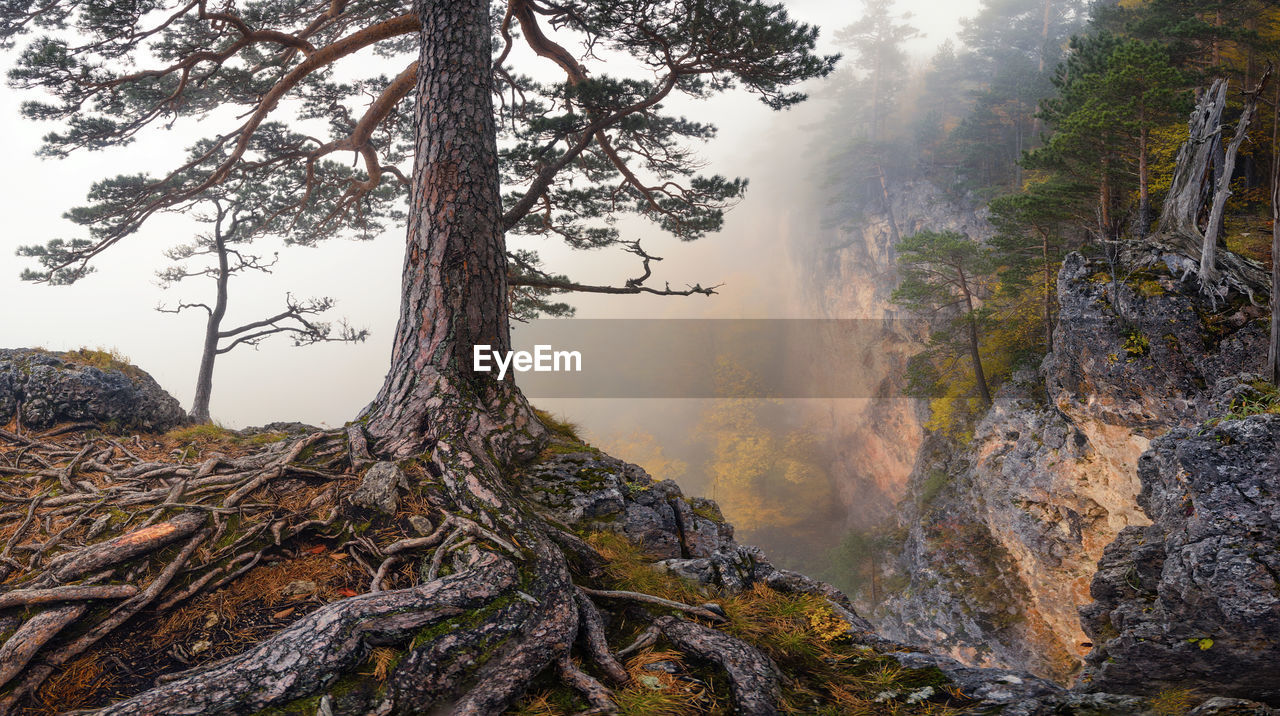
(1005, 533)
(1194, 599)
(49, 388)
(380, 488)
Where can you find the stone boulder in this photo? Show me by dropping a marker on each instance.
(1193, 600)
(47, 388)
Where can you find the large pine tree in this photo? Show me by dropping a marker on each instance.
(570, 155)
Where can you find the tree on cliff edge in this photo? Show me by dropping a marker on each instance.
(574, 152)
(571, 154)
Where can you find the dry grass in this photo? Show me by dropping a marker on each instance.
(830, 674)
(382, 659)
(102, 359)
(629, 568)
(1174, 702)
(560, 427)
(656, 692)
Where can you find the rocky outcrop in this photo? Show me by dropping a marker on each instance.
(1193, 600)
(1004, 533)
(580, 491)
(686, 536)
(44, 388)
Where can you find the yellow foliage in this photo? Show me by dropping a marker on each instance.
(1174, 702)
(643, 449)
(761, 475)
(1018, 326)
(825, 624)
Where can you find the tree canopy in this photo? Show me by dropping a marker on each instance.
(284, 89)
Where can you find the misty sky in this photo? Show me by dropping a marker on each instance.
(328, 384)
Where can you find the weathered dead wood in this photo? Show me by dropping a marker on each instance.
(702, 612)
(1273, 349)
(753, 677)
(1196, 172)
(124, 547)
(1209, 276)
(121, 614)
(1193, 169)
(647, 638)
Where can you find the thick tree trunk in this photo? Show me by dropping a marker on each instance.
(204, 379)
(1209, 276)
(1273, 351)
(455, 269)
(1194, 165)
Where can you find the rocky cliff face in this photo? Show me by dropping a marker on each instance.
(853, 270)
(1193, 600)
(1004, 533)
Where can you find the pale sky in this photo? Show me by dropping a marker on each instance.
(328, 384)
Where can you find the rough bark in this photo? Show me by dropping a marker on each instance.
(312, 652)
(1197, 171)
(123, 548)
(1273, 351)
(70, 593)
(18, 649)
(1209, 275)
(592, 638)
(454, 288)
(1181, 213)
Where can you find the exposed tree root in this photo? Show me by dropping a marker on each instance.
(315, 650)
(592, 637)
(753, 677)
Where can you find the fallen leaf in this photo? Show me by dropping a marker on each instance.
(283, 613)
(339, 555)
